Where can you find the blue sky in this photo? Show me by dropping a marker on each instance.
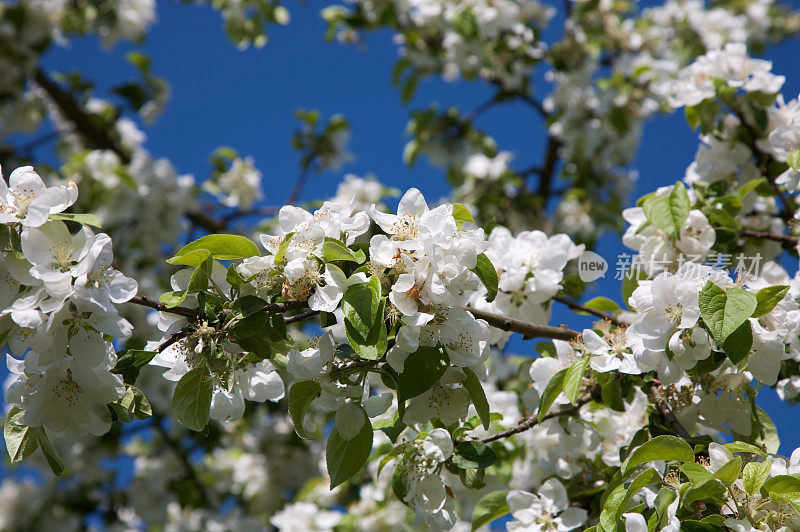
(222, 96)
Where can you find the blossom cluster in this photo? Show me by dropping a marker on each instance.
(59, 308)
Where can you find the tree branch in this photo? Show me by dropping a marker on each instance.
(666, 412)
(531, 421)
(787, 241)
(288, 320)
(548, 168)
(574, 305)
(157, 305)
(526, 329)
(72, 110)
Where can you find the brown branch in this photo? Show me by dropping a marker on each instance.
(288, 320)
(531, 421)
(548, 169)
(73, 111)
(157, 305)
(665, 411)
(171, 340)
(787, 241)
(574, 305)
(526, 329)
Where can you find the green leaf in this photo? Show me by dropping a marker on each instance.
(374, 345)
(333, 250)
(134, 405)
(346, 458)
(473, 455)
(53, 459)
(461, 214)
(247, 305)
(753, 476)
(191, 401)
(669, 213)
(301, 395)
(602, 304)
(697, 474)
(737, 345)
(489, 508)
(793, 160)
(767, 298)
(750, 186)
(742, 447)
(422, 369)
(551, 393)
(630, 282)
(764, 431)
(21, 441)
(173, 299)
(728, 473)
(782, 484)
(360, 305)
(280, 255)
(617, 502)
(233, 276)
(83, 219)
(487, 273)
(129, 362)
(574, 377)
(478, 396)
(724, 311)
(659, 448)
(221, 247)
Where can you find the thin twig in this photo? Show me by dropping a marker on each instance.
(157, 305)
(171, 340)
(665, 411)
(548, 169)
(73, 111)
(574, 305)
(288, 320)
(787, 241)
(526, 329)
(531, 421)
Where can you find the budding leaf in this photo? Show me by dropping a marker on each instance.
(191, 401)
(603, 304)
(280, 256)
(489, 508)
(768, 297)
(301, 395)
(346, 458)
(461, 215)
(487, 273)
(724, 311)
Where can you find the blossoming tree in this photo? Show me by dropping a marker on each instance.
(339, 366)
